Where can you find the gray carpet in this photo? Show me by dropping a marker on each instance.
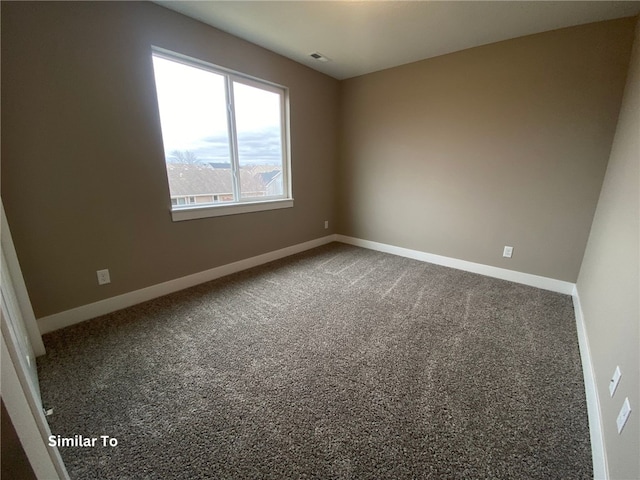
(337, 363)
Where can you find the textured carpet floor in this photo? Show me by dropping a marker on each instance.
(336, 363)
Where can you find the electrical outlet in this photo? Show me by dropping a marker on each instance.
(623, 415)
(103, 277)
(615, 380)
(326, 224)
(507, 252)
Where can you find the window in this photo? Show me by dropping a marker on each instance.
(225, 138)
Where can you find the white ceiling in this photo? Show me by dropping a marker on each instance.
(366, 36)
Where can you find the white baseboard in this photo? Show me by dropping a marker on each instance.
(76, 315)
(545, 283)
(598, 452)
(85, 312)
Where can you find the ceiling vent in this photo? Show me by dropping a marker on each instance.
(319, 57)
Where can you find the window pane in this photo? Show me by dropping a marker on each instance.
(192, 104)
(259, 130)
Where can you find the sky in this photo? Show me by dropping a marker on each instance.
(193, 115)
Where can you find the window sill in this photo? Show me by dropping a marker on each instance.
(192, 213)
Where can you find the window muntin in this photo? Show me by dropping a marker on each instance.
(224, 136)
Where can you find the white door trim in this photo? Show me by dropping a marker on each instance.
(26, 415)
(19, 287)
(19, 382)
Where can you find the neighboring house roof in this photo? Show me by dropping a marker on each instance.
(267, 177)
(199, 179)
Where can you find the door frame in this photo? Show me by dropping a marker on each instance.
(20, 396)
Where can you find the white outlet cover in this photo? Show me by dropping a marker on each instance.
(507, 252)
(615, 380)
(103, 277)
(623, 415)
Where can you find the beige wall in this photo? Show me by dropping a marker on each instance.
(609, 283)
(504, 144)
(83, 177)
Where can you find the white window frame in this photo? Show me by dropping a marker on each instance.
(191, 211)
